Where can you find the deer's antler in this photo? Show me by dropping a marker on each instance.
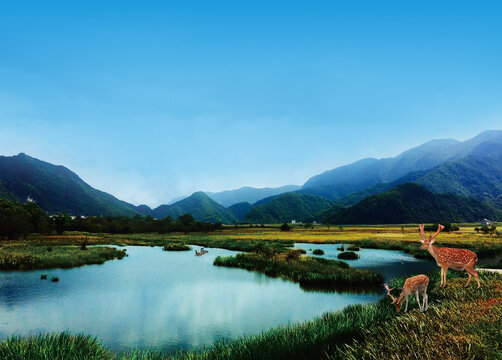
(388, 292)
(422, 233)
(440, 227)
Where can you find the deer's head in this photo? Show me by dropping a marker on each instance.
(428, 242)
(396, 301)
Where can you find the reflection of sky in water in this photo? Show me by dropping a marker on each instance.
(153, 298)
(389, 263)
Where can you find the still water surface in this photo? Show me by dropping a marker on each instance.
(168, 300)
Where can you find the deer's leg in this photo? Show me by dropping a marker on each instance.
(469, 279)
(426, 302)
(470, 270)
(418, 302)
(406, 308)
(445, 273)
(442, 276)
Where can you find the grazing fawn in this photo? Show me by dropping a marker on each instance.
(413, 285)
(457, 259)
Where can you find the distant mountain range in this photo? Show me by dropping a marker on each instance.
(467, 173)
(200, 206)
(248, 194)
(344, 180)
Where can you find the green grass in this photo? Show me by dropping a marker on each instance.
(460, 324)
(63, 346)
(353, 248)
(348, 255)
(305, 270)
(176, 247)
(29, 257)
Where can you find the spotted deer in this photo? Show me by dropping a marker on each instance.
(457, 259)
(413, 285)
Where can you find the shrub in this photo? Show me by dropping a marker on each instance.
(318, 252)
(285, 227)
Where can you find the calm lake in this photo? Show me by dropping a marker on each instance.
(173, 300)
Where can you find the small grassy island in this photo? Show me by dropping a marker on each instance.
(348, 255)
(318, 252)
(31, 257)
(291, 265)
(176, 247)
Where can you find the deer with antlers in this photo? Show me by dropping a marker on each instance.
(457, 259)
(413, 285)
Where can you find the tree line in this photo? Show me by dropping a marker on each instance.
(18, 220)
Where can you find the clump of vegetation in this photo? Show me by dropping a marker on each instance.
(303, 269)
(43, 277)
(49, 248)
(348, 255)
(341, 248)
(176, 247)
(55, 279)
(318, 252)
(353, 248)
(29, 257)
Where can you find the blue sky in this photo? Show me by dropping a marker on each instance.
(152, 100)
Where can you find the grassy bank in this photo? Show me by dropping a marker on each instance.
(29, 257)
(245, 238)
(306, 270)
(460, 324)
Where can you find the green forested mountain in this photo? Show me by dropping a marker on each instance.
(478, 175)
(200, 206)
(287, 207)
(248, 194)
(412, 203)
(240, 210)
(345, 180)
(55, 188)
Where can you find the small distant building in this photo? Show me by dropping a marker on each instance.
(293, 221)
(486, 222)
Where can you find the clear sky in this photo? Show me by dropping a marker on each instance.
(152, 100)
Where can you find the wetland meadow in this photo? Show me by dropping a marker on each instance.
(258, 293)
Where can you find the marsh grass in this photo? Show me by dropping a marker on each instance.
(318, 252)
(303, 269)
(176, 247)
(62, 346)
(353, 248)
(28, 257)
